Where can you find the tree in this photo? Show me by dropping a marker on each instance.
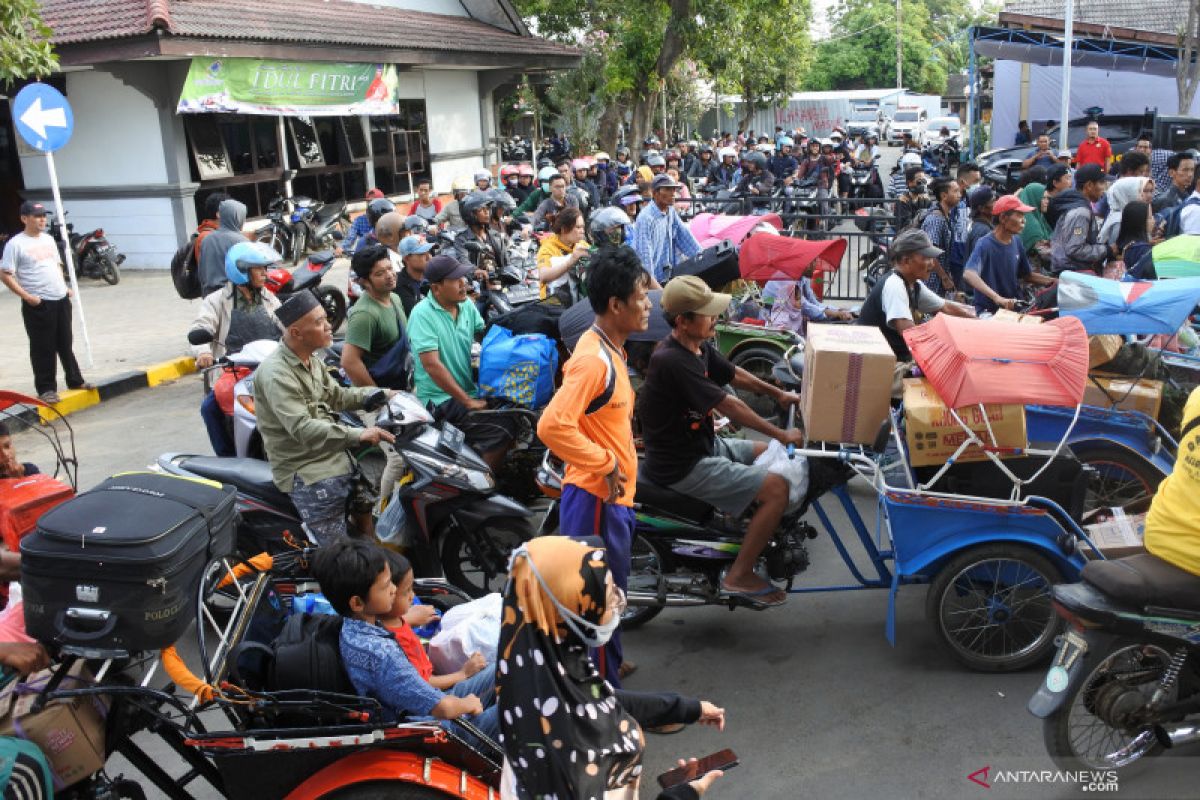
(1187, 68)
(25, 50)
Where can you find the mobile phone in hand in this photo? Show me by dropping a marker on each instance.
(723, 760)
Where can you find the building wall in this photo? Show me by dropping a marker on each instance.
(452, 110)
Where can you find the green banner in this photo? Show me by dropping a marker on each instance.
(288, 88)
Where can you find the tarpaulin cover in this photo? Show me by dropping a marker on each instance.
(1127, 308)
(1178, 257)
(779, 258)
(9, 399)
(971, 361)
(710, 229)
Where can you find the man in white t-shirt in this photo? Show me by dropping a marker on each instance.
(32, 270)
(893, 301)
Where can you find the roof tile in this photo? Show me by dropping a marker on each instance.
(1155, 16)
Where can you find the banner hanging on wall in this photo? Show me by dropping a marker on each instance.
(288, 88)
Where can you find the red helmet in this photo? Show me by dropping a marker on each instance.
(525, 169)
(508, 170)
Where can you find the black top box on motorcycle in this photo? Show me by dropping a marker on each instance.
(716, 265)
(1064, 481)
(117, 569)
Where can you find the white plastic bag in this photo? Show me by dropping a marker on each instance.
(391, 526)
(793, 470)
(472, 627)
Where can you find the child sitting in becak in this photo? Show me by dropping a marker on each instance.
(357, 581)
(404, 616)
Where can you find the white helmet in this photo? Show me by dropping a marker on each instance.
(462, 184)
(483, 175)
(726, 151)
(765, 147)
(910, 160)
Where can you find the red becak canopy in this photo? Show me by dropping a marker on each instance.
(973, 361)
(9, 399)
(765, 257)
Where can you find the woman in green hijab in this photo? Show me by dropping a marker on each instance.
(1037, 230)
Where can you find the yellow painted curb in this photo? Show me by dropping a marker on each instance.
(170, 370)
(69, 402)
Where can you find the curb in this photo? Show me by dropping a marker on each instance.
(73, 400)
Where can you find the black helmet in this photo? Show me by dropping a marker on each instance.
(503, 200)
(706, 148)
(618, 197)
(377, 208)
(756, 158)
(471, 204)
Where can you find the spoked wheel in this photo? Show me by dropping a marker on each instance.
(991, 607)
(1117, 479)
(1086, 732)
(759, 361)
(109, 271)
(479, 564)
(221, 603)
(334, 303)
(647, 566)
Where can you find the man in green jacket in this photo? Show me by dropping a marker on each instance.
(296, 403)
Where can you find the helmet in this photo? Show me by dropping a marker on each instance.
(579, 163)
(415, 224)
(655, 160)
(462, 184)
(836, 136)
(622, 151)
(377, 208)
(765, 147)
(508, 171)
(605, 220)
(673, 154)
(650, 141)
(482, 175)
(757, 158)
(601, 156)
(473, 202)
(706, 148)
(624, 169)
(244, 255)
(726, 151)
(525, 169)
(544, 175)
(503, 200)
(910, 160)
(787, 141)
(625, 196)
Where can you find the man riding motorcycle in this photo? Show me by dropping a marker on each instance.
(720, 174)
(784, 165)
(477, 213)
(700, 165)
(757, 181)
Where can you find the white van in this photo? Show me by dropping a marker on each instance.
(908, 119)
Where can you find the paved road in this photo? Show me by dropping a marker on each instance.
(819, 704)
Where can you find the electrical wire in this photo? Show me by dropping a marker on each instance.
(856, 33)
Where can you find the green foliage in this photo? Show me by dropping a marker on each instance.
(24, 42)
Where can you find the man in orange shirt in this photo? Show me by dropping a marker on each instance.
(589, 424)
(1094, 149)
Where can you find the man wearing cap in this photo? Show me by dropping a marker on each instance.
(660, 238)
(376, 352)
(410, 281)
(684, 387)
(998, 262)
(297, 404)
(442, 328)
(1076, 245)
(893, 303)
(32, 270)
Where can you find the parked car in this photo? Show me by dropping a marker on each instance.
(908, 119)
(933, 130)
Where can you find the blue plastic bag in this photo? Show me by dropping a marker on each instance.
(518, 367)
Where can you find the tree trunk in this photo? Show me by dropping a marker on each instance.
(1187, 70)
(610, 122)
(646, 94)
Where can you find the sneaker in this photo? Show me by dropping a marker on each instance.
(49, 398)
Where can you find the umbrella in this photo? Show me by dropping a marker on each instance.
(579, 317)
(764, 257)
(1178, 257)
(710, 229)
(971, 361)
(1127, 307)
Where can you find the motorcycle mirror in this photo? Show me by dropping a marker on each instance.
(199, 336)
(375, 400)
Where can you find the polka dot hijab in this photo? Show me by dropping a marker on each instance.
(563, 731)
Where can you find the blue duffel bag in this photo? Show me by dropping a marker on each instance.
(518, 367)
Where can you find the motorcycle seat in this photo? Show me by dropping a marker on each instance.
(672, 502)
(1145, 580)
(321, 258)
(248, 475)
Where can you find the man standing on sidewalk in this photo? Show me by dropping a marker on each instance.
(31, 269)
(589, 425)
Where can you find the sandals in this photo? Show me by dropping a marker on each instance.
(755, 599)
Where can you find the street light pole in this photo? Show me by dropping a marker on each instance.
(1068, 51)
(899, 57)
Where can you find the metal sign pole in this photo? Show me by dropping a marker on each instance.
(69, 257)
(1064, 143)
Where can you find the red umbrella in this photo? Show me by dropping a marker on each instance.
(971, 361)
(766, 257)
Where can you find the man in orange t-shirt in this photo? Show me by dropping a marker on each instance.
(1094, 149)
(589, 424)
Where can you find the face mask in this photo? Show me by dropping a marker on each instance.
(600, 633)
(919, 187)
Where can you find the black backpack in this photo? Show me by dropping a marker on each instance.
(306, 654)
(1172, 227)
(185, 272)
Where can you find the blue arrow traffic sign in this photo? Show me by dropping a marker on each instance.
(43, 117)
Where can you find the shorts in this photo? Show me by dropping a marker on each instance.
(483, 431)
(728, 479)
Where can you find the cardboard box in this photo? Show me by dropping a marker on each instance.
(1117, 535)
(1004, 315)
(1129, 394)
(69, 732)
(1103, 349)
(847, 388)
(933, 434)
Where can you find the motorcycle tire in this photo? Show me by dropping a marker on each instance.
(297, 248)
(1117, 478)
(486, 572)
(1060, 729)
(647, 563)
(979, 572)
(109, 271)
(759, 361)
(334, 303)
(385, 790)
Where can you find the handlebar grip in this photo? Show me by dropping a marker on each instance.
(791, 423)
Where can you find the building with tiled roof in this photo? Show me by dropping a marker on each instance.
(141, 169)
(1156, 21)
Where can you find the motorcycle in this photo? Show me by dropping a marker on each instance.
(298, 224)
(873, 264)
(92, 254)
(802, 208)
(1125, 683)
(284, 283)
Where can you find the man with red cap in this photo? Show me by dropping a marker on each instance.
(998, 264)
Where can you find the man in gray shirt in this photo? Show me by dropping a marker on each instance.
(232, 216)
(32, 270)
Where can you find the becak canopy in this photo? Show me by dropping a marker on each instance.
(971, 361)
(764, 257)
(1178, 257)
(710, 229)
(1127, 307)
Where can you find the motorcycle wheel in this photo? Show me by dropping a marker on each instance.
(297, 247)
(335, 305)
(990, 605)
(1076, 738)
(759, 361)
(479, 574)
(385, 790)
(1117, 479)
(647, 564)
(109, 271)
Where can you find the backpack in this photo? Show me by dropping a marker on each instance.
(305, 654)
(1173, 224)
(185, 272)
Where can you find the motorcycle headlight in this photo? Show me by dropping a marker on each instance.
(476, 479)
